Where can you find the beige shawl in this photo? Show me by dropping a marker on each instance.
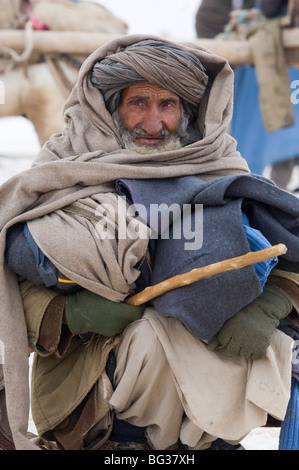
(79, 166)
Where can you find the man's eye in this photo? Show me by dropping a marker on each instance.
(168, 104)
(137, 103)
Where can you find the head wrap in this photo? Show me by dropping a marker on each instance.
(167, 65)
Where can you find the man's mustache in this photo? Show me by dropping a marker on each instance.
(139, 132)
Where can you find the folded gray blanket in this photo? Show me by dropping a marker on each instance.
(204, 306)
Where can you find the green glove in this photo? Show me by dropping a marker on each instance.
(249, 332)
(87, 312)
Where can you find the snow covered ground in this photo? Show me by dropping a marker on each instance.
(18, 148)
(262, 439)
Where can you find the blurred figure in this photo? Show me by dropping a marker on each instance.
(265, 129)
(273, 8)
(281, 172)
(213, 15)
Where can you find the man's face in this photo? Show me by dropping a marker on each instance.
(150, 118)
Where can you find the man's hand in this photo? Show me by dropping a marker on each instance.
(87, 312)
(249, 332)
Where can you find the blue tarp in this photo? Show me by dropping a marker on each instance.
(254, 143)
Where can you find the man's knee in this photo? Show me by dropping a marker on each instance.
(139, 338)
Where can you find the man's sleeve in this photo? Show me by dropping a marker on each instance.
(44, 310)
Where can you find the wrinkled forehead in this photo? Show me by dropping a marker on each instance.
(148, 91)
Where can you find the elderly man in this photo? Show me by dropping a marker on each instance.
(145, 126)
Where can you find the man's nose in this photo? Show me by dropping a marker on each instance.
(152, 121)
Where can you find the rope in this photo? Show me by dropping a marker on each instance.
(29, 44)
(61, 79)
(32, 24)
(37, 25)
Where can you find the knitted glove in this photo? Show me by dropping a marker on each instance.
(249, 332)
(87, 312)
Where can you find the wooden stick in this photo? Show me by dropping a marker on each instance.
(62, 42)
(84, 43)
(203, 273)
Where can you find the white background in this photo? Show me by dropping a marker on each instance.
(172, 18)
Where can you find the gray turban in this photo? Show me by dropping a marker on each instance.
(169, 66)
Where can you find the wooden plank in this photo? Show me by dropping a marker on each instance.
(236, 52)
(82, 43)
(62, 42)
(239, 52)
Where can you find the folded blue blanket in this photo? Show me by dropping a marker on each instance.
(257, 242)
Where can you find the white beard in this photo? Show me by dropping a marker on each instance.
(174, 142)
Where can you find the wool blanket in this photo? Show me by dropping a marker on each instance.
(80, 166)
(215, 234)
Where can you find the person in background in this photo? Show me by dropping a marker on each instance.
(273, 8)
(281, 172)
(213, 15)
